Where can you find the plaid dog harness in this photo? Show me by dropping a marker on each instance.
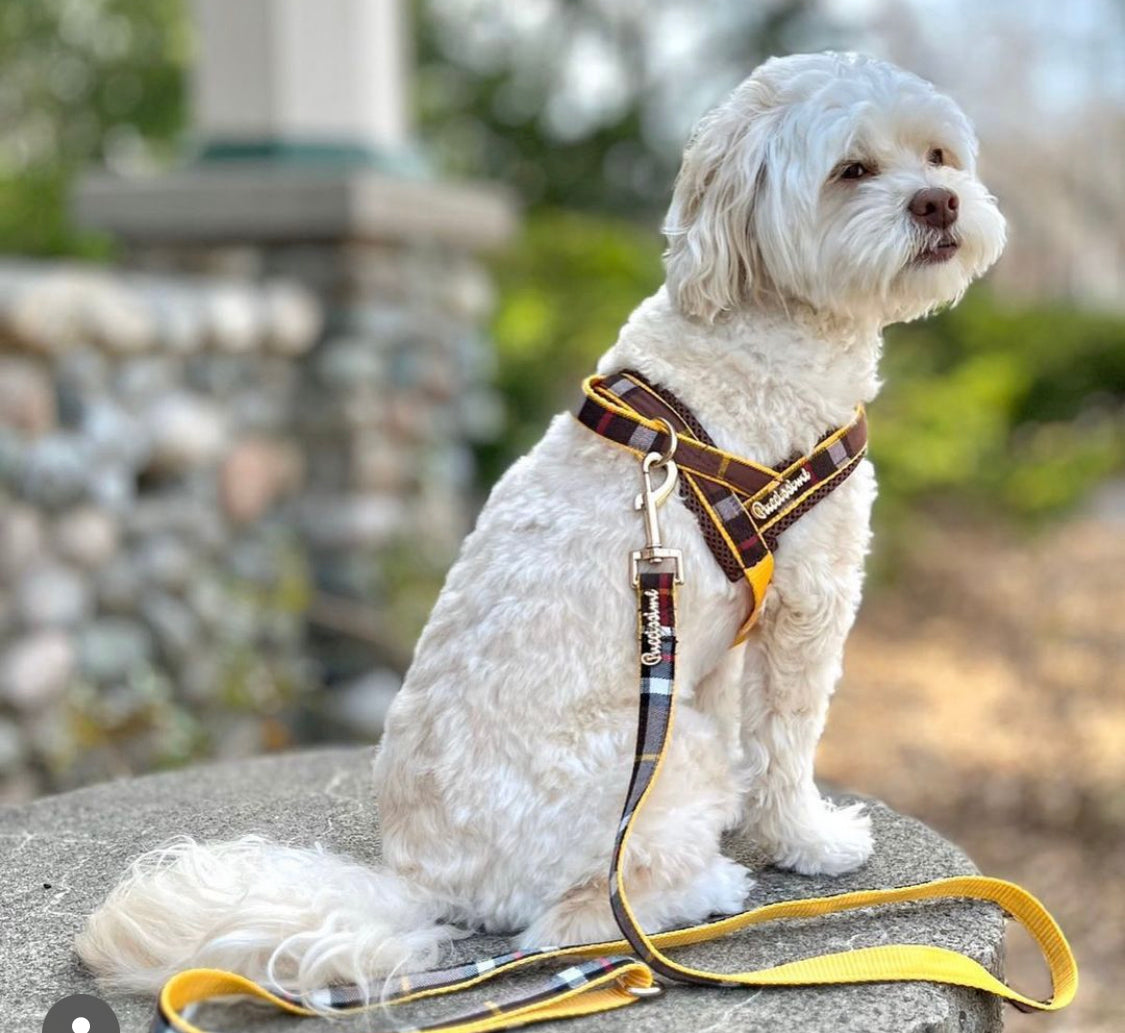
(742, 507)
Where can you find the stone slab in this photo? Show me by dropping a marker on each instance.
(60, 855)
(253, 201)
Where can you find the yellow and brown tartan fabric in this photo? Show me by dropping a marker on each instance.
(742, 506)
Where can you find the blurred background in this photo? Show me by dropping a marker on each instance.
(284, 287)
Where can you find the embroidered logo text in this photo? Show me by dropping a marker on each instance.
(652, 631)
(772, 503)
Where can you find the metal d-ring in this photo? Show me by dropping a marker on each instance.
(655, 990)
(673, 442)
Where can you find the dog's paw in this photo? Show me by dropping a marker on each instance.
(724, 887)
(838, 840)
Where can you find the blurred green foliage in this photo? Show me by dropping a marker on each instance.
(564, 291)
(1020, 410)
(508, 95)
(1016, 411)
(81, 81)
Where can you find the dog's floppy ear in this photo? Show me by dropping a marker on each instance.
(712, 258)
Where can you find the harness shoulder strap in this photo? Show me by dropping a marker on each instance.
(741, 506)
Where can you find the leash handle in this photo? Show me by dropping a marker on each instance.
(587, 987)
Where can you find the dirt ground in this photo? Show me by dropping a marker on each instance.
(985, 693)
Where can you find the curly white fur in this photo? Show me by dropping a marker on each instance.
(504, 766)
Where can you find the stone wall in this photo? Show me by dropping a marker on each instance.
(215, 499)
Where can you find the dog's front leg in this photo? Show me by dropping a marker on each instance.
(791, 671)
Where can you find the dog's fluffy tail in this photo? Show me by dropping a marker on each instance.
(300, 918)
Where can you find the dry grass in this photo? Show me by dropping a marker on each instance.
(985, 693)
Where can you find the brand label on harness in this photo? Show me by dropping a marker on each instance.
(773, 502)
(652, 634)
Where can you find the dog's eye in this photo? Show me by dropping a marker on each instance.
(856, 170)
(937, 156)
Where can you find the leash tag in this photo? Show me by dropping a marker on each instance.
(649, 501)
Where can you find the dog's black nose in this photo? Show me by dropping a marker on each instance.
(935, 206)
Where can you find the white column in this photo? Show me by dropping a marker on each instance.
(284, 79)
(302, 73)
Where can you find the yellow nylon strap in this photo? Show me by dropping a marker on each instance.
(194, 986)
(758, 576)
(889, 963)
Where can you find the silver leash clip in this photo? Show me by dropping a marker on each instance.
(649, 500)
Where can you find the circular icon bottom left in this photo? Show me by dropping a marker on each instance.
(81, 1013)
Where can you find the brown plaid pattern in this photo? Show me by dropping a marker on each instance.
(720, 488)
(654, 723)
(658, 682)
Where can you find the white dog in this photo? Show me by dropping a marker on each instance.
(829, 196)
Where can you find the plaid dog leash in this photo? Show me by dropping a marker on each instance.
(600, 976)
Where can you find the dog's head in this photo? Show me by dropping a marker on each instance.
(836, 180)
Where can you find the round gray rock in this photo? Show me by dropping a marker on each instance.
(110, 647)
(59, 856)
(35, 669)
(21, 538)
(55, 466)
(86, 536)
(53, 595)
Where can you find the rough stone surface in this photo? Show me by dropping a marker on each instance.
(200, 440)
(59, 857)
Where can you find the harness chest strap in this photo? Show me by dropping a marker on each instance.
(742, 507)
